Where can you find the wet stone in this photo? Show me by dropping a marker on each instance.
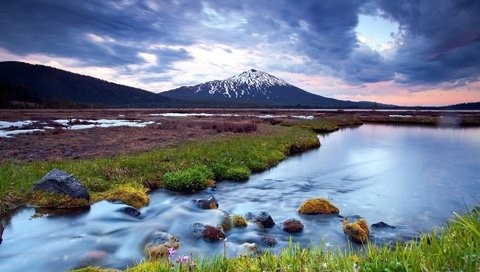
(130, 211)
(209, 203)
(292, 226)
(382, 224)
(263, 219)
(207, 232)
(268, 240)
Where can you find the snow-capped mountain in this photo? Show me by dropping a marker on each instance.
(249, 84)
(252, 87)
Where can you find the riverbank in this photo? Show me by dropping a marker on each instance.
(129, 177)
(454, 247)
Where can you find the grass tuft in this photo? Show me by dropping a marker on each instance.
(130, 194)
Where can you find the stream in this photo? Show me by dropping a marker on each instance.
(411, 177)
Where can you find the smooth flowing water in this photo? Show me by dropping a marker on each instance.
(410, 177)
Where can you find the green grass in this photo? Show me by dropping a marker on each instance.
(455, 247)
(182, 168)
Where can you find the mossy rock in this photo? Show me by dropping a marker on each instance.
(238, 221)
(53, 200)
(356, 229)
(318, 206)
(159, 244)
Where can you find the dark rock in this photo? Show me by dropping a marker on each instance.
(61, 182)
(263, 219)
(268, 240)
(292, 226)
(382, 224)
(207, 232)
(209, 203)
(130, 211)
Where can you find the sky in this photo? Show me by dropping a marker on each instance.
(409, 52)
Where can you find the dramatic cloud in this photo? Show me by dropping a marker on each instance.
(414, 46)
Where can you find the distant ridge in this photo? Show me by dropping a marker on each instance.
(463, 106)
(28, 85)
(24, 85)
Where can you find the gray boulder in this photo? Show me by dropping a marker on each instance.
(60, 182)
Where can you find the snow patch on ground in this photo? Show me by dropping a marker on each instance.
(72, 124)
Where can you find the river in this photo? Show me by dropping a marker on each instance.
(411, 177)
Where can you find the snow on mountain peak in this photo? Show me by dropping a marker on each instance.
(257, 78)
(249, 83)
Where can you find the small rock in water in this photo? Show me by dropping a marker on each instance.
(250, 248)
(292, 226)
(131, 211)
(382, 224)
(207, 232)
(238, 221)
(209, 203)
(159, 244)
(356, 228)
(268, 240)
(263, 219)
(61, 182)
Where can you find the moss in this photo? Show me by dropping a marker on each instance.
(357, 231)
(318, 206)
(188, 180)
(238, 221)
(54, 200)
(133, 195)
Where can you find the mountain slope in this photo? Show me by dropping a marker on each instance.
(44, 85)
(255, 88)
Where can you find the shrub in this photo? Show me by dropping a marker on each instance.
(188, 180)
